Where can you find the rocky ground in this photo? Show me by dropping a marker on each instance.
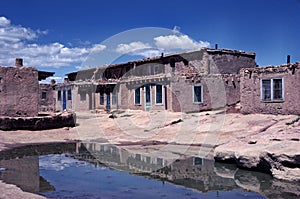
(269, 143)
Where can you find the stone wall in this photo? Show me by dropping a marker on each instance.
(38, 123)
(251, 90)
(19, 90)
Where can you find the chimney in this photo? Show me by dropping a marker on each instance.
(19, 62)
(288, 59)
(216, 46)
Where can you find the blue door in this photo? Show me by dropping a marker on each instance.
(107, 99)
(64, 98)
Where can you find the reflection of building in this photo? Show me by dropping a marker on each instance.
(23, 172)
(122, 159)
(193, 172)
(200, 174)
(22, 165)
(192, 81)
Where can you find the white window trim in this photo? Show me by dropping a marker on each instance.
(162, 95)
(140, 96)
(272, 90)
(194, 94)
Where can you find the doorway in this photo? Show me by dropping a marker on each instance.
(147, 97)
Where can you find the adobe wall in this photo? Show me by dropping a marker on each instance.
(212, 61)
(48, 103)
(218, 92)
(251, 91)
(221, 62)
(88, 103)
(19, 90)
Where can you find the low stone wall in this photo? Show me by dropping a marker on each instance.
(39, 122)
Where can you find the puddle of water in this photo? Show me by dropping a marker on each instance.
(76, 179)
(106, 171)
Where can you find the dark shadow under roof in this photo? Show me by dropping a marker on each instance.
(43, 75)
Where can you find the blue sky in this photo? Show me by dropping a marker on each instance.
(58, 35)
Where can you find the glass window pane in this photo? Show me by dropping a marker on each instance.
(137, 96)
(58, 95)
(69, 94)
(277, 89)
(266, 89)
(44, 95)
(197, 94)
(158, 99)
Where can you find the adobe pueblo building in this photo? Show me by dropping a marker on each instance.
(21, 99)
(271, 90)
(187, 82)
(19, 90)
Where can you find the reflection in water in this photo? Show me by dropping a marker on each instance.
(90, 162)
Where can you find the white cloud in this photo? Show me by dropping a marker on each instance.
(48, 80)
(4, 22)
(16, 41)
(148, 52)
(98, 48)
(184, 42)
(132, 47)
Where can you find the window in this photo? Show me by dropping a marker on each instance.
(197, 94)
(157, 69)
(44, 95)
(138, 157)
(101, 98)
(137, 96)
(58, 95)
(69, 94)
(82, 96)
(272, 89)
(197, 161)
(159, 161)
(158, 94)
